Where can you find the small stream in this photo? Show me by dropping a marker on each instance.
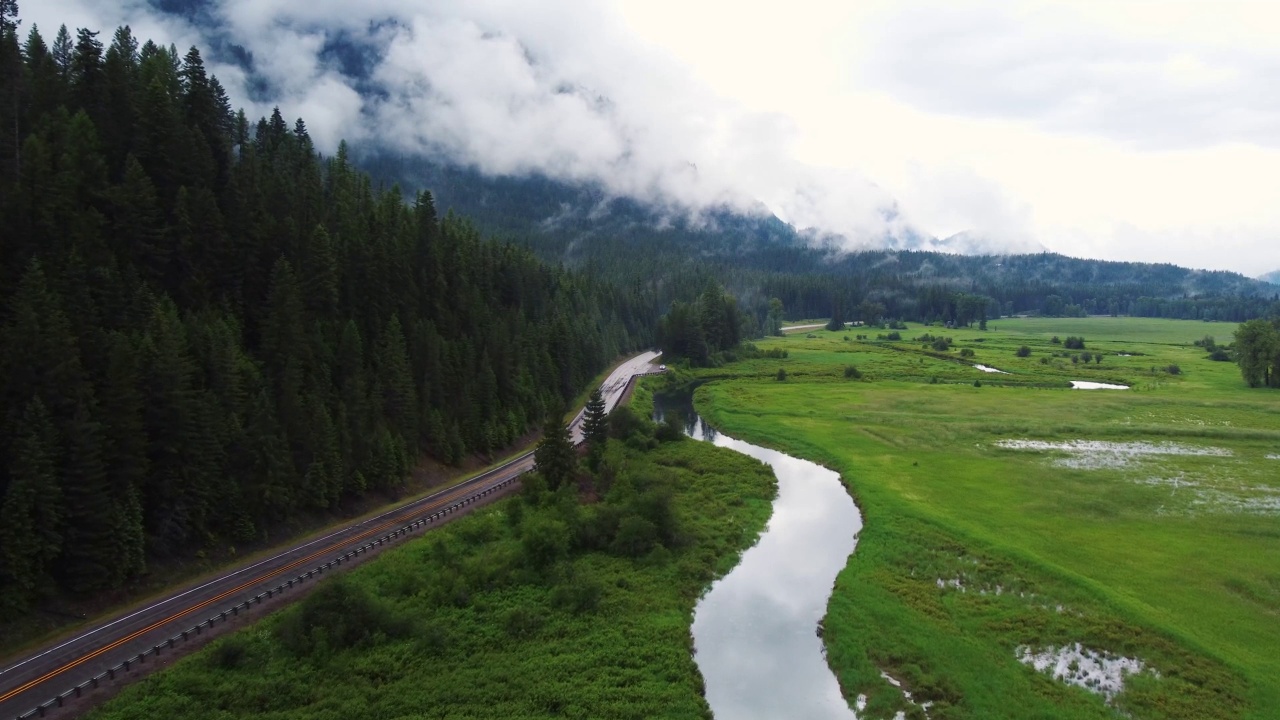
(755, 631)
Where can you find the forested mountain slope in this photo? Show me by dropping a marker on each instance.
(674, 253)
(207, 328)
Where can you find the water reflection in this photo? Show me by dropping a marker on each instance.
(755, 631)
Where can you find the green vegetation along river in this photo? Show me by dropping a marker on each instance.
(566, 603)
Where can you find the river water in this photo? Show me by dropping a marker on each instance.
(755, 631)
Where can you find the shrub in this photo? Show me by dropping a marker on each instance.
(966, 352)
(1056, 340)
(636, 536)
(1044, 361)
(338, 615)
(893, 336)
(852, 372)
(1074, 343)
(941, 345)
(977, 383)
(1218, 354)
(1087, 357)
(1023, 351)
(1173, 370)
(578, 595)
(229, 654)
(1075, 359)
(521, 622)
(544, 541)
(782, 374)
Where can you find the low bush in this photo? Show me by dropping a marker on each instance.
(1024, 351)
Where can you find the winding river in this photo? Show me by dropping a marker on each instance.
(755, 631)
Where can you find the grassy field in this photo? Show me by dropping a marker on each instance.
(1158, 542)
(530, 608)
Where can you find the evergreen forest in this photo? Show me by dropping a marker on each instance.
(207, 329)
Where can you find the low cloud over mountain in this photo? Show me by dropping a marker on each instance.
(563, 89)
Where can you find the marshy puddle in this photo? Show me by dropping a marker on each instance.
(755, 632)
(1101, 673)
(1087, 385)
(987, 369)
(1098, 454)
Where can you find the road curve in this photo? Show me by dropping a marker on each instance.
(41, 677)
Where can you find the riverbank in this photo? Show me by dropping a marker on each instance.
(534, 607)
(999, 581)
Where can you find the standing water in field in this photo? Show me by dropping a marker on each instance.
(755, 631)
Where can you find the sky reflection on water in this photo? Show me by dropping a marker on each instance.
(755, 631)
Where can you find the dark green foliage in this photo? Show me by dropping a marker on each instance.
(31, 516)
(852, 372)
(1023, 351)
(1173, 370)
(1073, 343)
(554, 456)
(339, 615)
(700, 330)
(1257, 347)
(595, 633)
(227, 332)
(782, 374)
(595, 422)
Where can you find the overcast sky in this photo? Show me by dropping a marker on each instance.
(1135, 130)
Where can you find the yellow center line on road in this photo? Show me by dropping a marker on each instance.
(266, 576)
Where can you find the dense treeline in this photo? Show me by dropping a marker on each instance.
(208, 329)
(759, 258)
(698, 330)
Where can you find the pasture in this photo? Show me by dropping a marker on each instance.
(1009, 516)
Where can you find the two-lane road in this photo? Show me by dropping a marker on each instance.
(30, 681)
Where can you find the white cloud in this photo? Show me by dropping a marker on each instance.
(1118, 129)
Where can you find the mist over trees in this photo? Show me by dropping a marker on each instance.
(207, 329)
(758, 257)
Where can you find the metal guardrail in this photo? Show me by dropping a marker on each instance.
(127, 665)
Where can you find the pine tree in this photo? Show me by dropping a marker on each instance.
(595, 424)
(400, 403)
(62, 52)
(124, 454)
(554, 458)
(31, 510)
(88, 551)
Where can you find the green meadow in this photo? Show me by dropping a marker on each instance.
(1008, 515)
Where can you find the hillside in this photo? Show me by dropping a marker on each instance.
(758, 257)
